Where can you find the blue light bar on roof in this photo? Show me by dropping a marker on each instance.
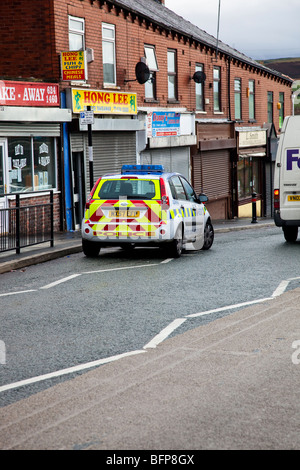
(142, 169)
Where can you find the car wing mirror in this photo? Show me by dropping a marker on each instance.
(203, 198)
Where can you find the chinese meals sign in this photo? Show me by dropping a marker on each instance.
(73, 65)
(104, 102)
(28, 94)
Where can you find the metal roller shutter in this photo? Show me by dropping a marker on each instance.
(29, 130)
(216, 173)
(111, 150)
(172, 159)
(77, 144)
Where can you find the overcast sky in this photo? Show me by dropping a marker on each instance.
(261, 29)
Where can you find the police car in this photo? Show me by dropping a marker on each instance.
(146, 206)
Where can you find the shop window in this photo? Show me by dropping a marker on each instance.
(150, 85)
(76, 34)
(109, 54)
(172, 75)
(44, 163)
(251, 98)
(217, 89)
(281, 109)
(31, 163)
(270, 106)
(248, 177)
(237, 99)
(199, 91)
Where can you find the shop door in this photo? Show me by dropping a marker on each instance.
(79, 188)
(3, 187)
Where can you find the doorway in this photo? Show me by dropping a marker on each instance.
(79, 194)
(3, 188)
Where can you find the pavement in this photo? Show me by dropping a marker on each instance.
(231, 384)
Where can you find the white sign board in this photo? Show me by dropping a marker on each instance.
(86, 117)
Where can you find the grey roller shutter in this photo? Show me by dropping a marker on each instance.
(30, 130)
(216, 173)
(111, 150)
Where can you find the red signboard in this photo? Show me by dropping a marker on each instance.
(28, 94)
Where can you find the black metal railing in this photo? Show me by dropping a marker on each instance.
(26, 225)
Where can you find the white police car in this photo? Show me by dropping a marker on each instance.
(146, 206)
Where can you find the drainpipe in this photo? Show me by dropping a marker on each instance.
(228, 89)
(67, 169)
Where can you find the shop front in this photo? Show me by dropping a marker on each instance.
(30, 129)
(251, 177)
(110, 142)
(213, 166)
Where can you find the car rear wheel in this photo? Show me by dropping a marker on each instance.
(290, 234)
(90, 249)
(208, 236)
(176, 245)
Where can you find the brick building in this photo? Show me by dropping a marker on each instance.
(199, 106)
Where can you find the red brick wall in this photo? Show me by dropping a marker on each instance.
(33, 34)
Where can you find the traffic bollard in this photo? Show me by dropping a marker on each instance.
(254, 218)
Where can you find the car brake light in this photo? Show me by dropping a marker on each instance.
(163, 192)
(89, 199)
(276, 199)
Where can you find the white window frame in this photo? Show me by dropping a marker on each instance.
(150, 85)
(199, 88)
(110, 40)
(172, 74)
(77, 32)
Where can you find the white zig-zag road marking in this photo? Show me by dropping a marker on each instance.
(69, 370)
(159, 338)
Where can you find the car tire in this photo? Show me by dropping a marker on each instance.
(290, 234)
(208, 235)
(90, 249)
(176, 246)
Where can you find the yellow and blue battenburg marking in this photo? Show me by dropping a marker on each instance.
(185, 212)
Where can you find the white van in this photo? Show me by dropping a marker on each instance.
(287, 179)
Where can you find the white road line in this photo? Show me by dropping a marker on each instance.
(18, 292)
(69, 370)
(152, 344)
(120, 269)
(228, 307)
(55, 283)
(280, 289)
(167, 260)
(165, 333)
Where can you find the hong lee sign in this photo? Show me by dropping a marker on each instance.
(28, 94)
(103, 102)
(73, 66)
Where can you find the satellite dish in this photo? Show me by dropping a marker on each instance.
(199, 77)
(142, 72)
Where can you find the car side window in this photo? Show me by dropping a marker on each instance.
(191, 195)
(179, 189)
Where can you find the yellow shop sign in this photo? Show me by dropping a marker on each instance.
(103, 102)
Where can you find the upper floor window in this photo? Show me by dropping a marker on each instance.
(172, 75)
(237, 99)
(150, 85)
(217, 88)
(109, 53)
(199, 90)
(281, 109)
(251, 95)
(270, 106)
(76, 34)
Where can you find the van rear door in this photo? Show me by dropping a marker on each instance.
(289, 174)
